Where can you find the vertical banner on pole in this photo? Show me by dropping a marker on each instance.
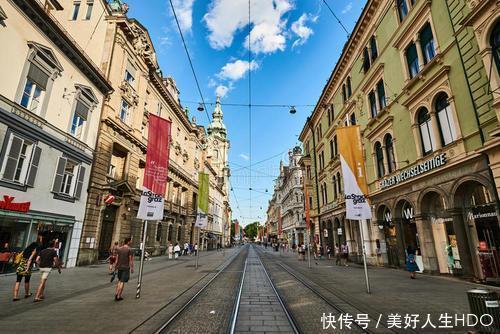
(155, 180)
(355, 184)
(308, 223)
(353, 173)
(280, 227)
(203, 188)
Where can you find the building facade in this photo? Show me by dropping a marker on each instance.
(426, 115)
(51, 96)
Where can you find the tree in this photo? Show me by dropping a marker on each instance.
(251, 230)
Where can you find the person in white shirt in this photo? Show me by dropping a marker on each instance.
(170, 251)
(177, 251)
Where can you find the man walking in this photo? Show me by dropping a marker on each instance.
(46, 261)
(125, 266)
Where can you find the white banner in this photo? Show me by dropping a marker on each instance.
(357, 206)
(201, 219)
(151, 206)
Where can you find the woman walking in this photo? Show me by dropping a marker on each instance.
(24, 269)
(177, 251)
(411, 263)
(170, 251)
(112, 258)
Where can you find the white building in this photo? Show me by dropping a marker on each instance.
(51, 96)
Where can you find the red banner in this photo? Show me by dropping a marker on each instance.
(156, 171)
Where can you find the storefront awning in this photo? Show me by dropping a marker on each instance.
(38, 216)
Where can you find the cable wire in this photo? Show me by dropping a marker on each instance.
(190, 61)
(336, 17)
(250, 101)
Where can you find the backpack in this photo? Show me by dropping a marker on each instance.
(18, 258)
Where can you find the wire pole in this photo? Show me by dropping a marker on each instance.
(367, 280)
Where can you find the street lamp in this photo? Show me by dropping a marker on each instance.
(200, 107)
(293, 110)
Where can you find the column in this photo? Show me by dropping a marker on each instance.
(468, 258)
(427, 247)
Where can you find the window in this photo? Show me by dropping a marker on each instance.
(332, 150)
(34, 89)
(80, 116)
(366, 60)
(124, 112)
(69, 178)
(445, 120)
(334, 188)
(130, 73)
(20, 164)
(373, 104)
(90, 6)
(344, 93)
(382, 103)
(389, 152)
(427, 43)
(349, 87)
(495, 45)
(426, 133)
(402, 7)
(325, 190)
(373, 48)
(335, 144)
(329, 119)
(412, 60)
(76, 9)
(379, 156)
(158, 232)
(352, 119)
(339, 184)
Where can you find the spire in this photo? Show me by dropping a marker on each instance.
(217, 125)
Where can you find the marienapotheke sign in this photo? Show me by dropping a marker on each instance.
(414, 171)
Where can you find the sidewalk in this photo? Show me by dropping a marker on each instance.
(81, 299)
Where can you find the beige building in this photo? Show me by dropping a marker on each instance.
(51, 97)
(123, 50)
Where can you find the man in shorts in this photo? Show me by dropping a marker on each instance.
(125, 266)
(46, 260)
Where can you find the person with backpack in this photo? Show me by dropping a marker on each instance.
(411, 263)
(24, 262)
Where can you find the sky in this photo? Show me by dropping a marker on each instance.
(294, 46)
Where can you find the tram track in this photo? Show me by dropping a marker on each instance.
(347, 307)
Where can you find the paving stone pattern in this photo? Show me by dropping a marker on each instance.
(260, 310)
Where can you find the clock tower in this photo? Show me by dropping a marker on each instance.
(218, 144)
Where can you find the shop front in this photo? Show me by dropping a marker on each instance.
(18, 229)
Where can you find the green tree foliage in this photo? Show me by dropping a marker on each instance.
(251, 230)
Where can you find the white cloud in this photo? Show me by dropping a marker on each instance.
(222, 90)
(226, 17)
(184, 11)
(244, 157)
(347, 8)
(237, 69)
(302, 31)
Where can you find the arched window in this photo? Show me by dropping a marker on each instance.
(178, 233)
(373, 48)
(366, 60)
(216, 154)
(158, 232)
(334, 187)
(445, 119)
(326, 193)
(426, 133)
(495, 45)
(344, 93)
(389, 152)
(349, 87)
(379, 155)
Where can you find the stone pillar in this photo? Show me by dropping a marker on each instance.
(467, 258)
(426, 239)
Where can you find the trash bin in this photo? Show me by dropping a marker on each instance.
(485, 305)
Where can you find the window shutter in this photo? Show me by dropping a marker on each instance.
(82, 110)
(12, 158)
(79, 181)
(61, 166)
(38, 76)
(33, 169)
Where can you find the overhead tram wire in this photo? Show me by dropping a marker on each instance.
(190, 61)
(250, 101)
(337, 18)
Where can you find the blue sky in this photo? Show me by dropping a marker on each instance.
(295, 45)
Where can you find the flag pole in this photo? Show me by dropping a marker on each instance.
(141, 267)
(367, 280)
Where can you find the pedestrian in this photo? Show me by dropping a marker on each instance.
(337, 255)
(329, 252)
(186, 246)
(5, 256)
(345, 253)
(196, 249)
(170, 251)
(125, 266)
(112, 258)
(177, 251)
(411, 263)
(46, 260)
(190, 249)
(24, 269)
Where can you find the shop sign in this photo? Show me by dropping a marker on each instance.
(479, 215)
(339, 231)
(409, 173)
(440, 220)
(7, 204)
(109, 199)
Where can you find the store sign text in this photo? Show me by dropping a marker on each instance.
(414, 171)
(7, 204)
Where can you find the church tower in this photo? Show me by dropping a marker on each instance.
(218, 143)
